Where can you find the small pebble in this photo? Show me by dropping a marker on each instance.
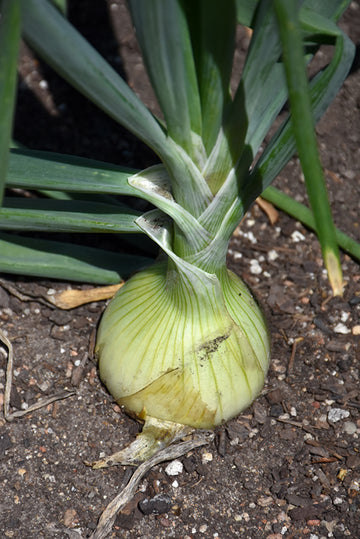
(158, 505)
(174, 468)
(206, 457)
(342, 329)
(296, 236)
(354, 486)
(272, 255)
(336, 414)
(250, 236)
(70, 518)
(274, 396)
(278, 367)
(264, 501)
(43, 84)
(356, 330)
(350, 427)
(255, 267)
(260, 413)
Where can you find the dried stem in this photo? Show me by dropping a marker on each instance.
(8, 415)
(108, 517)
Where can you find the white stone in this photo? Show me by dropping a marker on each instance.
(255, 267)
(337, 414)
(350, 427)
(174, 467)
(296, 236)
(272, 255)
(341, 328)
(206, 457)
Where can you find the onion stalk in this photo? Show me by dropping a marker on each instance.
(183, 341)
(184, 344)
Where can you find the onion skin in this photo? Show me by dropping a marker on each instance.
(193, 353)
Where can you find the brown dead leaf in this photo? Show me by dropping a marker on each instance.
(69, 299)
(270, 211)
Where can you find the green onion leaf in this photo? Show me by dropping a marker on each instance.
(52, 36)
(66, 216)
(303, 214)
(163, 35)
(36, 170)
(9, 48)
(65, 261)
(306, 143)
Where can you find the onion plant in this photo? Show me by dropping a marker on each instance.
(183, 344)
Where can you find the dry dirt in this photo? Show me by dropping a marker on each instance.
(289, 466)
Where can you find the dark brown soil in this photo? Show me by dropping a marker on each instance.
(287, 467)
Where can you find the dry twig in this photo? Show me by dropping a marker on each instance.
(8, 415)
(292, 357)
(108, 517)
(64, 299)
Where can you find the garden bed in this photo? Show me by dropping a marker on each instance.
(289, 466)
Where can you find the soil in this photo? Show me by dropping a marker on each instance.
(289, 466)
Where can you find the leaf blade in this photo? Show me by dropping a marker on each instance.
(163, 35)
(36, 170)
(10, 24)
(212, 29)
(65, 261)
(303, 214)
(55, 39)
(66, 216)
(305, 137)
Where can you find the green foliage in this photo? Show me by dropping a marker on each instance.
(208, 139)
(9, 47)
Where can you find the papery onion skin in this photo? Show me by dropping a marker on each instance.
(197, 357)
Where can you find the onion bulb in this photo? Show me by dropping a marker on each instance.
(184, 346)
